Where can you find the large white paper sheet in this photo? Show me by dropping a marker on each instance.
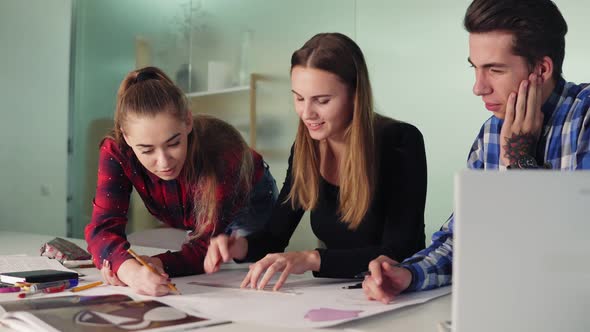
(306, 302)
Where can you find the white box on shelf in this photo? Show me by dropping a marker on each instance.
(218, 75)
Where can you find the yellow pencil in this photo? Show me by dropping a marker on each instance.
(85, 287)
(144, 263)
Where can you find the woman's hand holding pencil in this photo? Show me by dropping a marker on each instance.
(143, 274)
(152, 268)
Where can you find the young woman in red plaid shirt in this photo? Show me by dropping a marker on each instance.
(194, 173)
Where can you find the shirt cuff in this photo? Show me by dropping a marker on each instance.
(321, 251)
(117, 259)
(416, 282)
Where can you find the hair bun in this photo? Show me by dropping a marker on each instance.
(146, 75)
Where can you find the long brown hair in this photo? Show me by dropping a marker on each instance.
(149, 91)
(339, 55)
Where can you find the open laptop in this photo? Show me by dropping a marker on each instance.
(521, 251)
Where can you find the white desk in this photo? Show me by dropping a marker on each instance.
(418, 318)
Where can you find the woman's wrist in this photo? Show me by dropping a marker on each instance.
(314, 260)
(127, 270)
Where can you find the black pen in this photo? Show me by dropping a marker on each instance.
(355, 286)
(412, 260)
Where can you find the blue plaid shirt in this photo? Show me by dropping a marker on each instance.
(565, 143)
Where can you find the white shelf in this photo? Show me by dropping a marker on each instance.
(251, 88)
(216, 92)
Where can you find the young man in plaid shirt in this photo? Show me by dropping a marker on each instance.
(516, 48)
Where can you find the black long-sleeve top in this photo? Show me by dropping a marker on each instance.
(393, 226)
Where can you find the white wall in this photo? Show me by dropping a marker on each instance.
(34, 83)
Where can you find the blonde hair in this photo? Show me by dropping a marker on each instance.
(149, 91)
(339, 55)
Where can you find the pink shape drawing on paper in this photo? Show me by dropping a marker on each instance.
(327, 314)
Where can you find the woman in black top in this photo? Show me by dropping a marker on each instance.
(362, 176)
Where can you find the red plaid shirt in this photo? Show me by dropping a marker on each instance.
(118, 172)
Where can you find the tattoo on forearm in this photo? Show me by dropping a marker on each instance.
(519, 145)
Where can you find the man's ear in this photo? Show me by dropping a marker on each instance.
(545, 68)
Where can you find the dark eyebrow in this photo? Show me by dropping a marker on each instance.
(318, 96)
(151, 146)
(488, 65)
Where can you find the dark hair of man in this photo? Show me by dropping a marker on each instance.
(537, 26)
